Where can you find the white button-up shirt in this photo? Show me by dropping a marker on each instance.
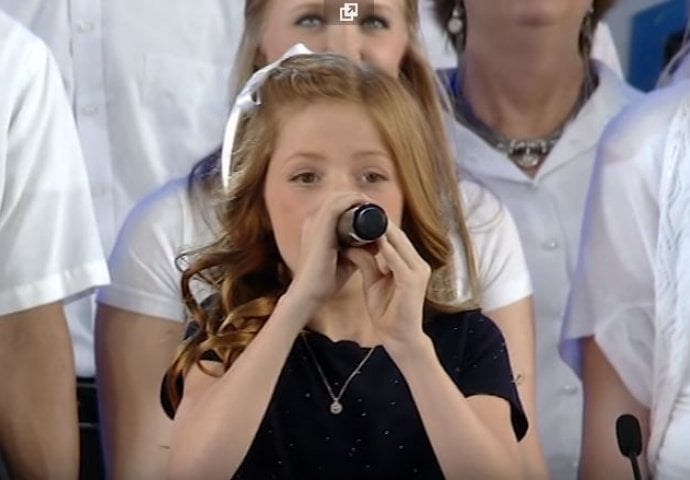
(149, 84)
(548, 211)
(48, 234)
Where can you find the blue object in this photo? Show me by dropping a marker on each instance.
(651, 29)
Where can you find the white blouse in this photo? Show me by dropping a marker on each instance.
(631, 290)
(548, 210)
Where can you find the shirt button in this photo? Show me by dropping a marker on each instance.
(85, 27)
(550, 245)
(90, 110)
(569, 389)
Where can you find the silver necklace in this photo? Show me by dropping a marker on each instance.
(529, 153)
(336, 407)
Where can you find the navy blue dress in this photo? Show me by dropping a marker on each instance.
(379, 434)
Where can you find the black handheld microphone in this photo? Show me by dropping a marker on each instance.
(361, 224)
(629, 439)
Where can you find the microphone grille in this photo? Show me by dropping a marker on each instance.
(370, 222)
(629, 435)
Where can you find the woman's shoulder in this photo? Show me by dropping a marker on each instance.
(650, 115)
(24, 57)
(169, 214)
(166, 202)
(614, 91)
(483, 210)
(637, 138)
(503, 273)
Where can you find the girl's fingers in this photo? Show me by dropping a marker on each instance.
(333, 207)
(365, 263)
(392, 258)
(403, 246)
(325, 219)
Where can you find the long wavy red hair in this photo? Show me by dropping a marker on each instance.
(244, 268)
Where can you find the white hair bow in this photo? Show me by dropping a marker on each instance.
(246, 102)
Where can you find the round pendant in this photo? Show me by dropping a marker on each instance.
(336, 407)
(527, 160)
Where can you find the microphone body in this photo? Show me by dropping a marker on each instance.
(629, 438)
(361, 224)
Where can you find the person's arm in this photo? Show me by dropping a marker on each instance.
(517, 326)
(612, 296)
(132, 354)
(139, 324)
(472, 437)
(222, 415)
(506, 299)
(38, 406)
(51, 251)
(605, 399)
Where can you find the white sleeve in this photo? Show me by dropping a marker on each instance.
(503, 274)
(144, 270)
(48, 234)
(612, 296)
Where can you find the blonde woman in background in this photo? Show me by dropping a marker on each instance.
(530, 105)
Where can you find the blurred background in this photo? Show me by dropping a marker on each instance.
(647, 33)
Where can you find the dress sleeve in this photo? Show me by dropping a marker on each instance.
(473, 352)
(503, 274)
(48, 233)
(143, 264)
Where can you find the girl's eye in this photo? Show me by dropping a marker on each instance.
(304, 178)
(310, 21)
(374, 177)
(374, 22)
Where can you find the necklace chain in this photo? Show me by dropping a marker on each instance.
(527, 154)
(336, 407)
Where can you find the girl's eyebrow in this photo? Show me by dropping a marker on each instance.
(372, 153)
(305, 155)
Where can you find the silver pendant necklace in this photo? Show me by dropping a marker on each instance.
(336, 407)
(526, 154)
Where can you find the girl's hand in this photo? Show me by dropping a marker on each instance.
(322, 270)
(395, 280)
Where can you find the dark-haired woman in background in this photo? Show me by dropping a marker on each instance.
(530, 105)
